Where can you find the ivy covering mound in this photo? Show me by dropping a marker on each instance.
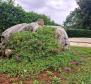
(38, 51)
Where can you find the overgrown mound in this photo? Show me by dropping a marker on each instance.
(38, 51)
(34, 45)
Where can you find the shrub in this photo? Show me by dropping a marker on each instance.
(11, 15)
(78, 33)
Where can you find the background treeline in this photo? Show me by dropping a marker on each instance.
(78, 22)
(11, 15)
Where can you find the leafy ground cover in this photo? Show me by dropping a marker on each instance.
(46, 63)
(76, 74)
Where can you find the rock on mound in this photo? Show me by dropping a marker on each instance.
(34, 45)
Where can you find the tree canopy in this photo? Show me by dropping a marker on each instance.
(11, 15)
(80, 18)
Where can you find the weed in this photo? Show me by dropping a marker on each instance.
(49, 73)
(35, 82)
(55, 80)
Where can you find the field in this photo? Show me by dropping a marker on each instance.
(79, 74)
(46, 63)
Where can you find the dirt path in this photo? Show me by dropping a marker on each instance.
(82, 42)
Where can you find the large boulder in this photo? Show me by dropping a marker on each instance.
(21, 27)
(7, 34)
(17, 34)
(62, 38)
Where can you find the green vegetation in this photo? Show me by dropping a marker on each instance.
(74, 20)
(11, 15)
(81, 73)
(37, 51)
(25, 68)
(80, 18)
(85, 6)
(33, 63)
(55, 80)
(34, 45)
(35, 82)
(78, 33)
(78, 22)
(49, 73)
(82, 52)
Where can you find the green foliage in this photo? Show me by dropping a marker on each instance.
(35, 82)
(74, 20)
(25, 68)
(31, 16)
(55, 80)
(83, 51)
(49, 73)
(11, 15)
(38, 51)
(34, 45)
(80, 17)
(75, 25)
(85, 6)
(82, 73)
(78, 33)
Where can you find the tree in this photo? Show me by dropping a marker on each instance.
(74, 20)
(11, 15)
(85, 6)
(80, 18)
(10, 2)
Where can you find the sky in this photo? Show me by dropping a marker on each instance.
(56, 10)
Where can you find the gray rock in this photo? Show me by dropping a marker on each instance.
(19, 28)
(62, 38)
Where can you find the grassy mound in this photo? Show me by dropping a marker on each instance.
(38, 51)
(37, 45)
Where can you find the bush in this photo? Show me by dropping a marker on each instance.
(78, 33)
(11, 15)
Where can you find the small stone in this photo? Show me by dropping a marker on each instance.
(67, 69)
(74, 62)
(18, 59)
(8, 52)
